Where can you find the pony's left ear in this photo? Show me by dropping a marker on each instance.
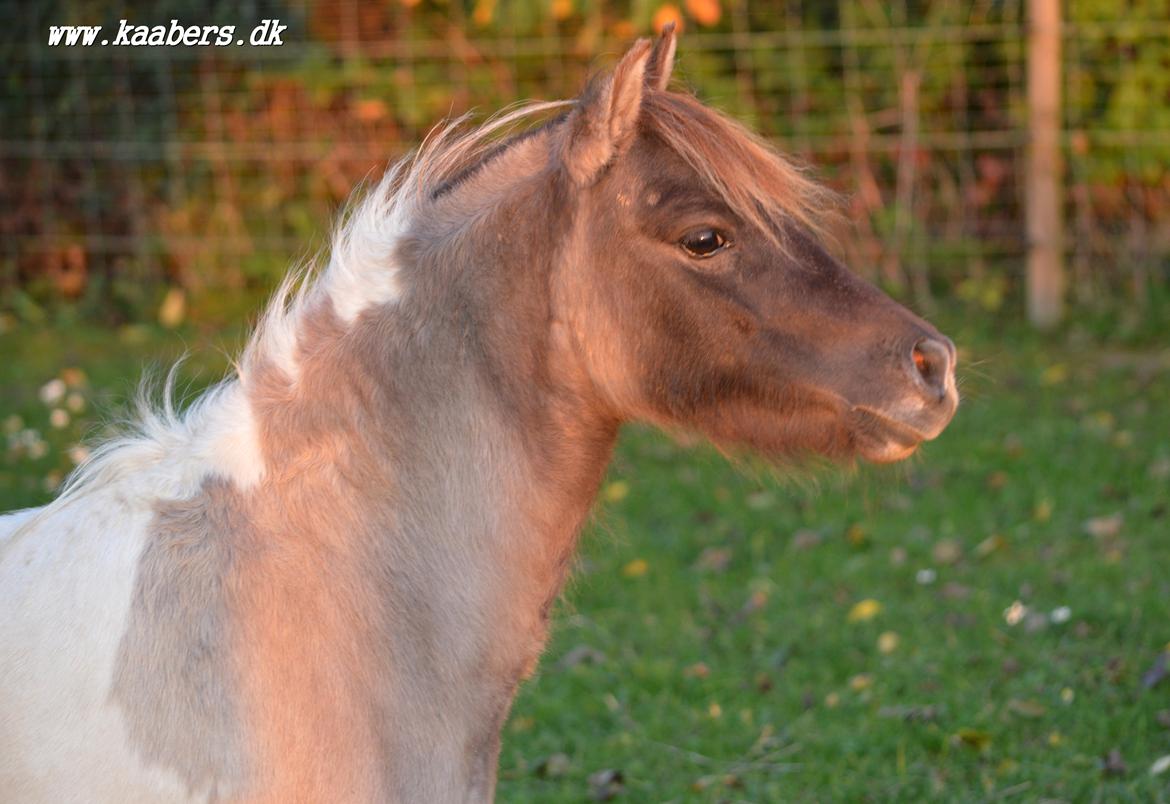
(606, 117)
(661, 63)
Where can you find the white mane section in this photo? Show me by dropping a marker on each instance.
(171, 451)
(215, 435)
(360, 274)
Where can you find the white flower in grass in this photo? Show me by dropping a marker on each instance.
(37, 448)
(59, 418)
(926, 577)
(77, 453)
(1060, 615)
(75, 402)
(52, 391)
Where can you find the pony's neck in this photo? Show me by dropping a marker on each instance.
(445, 450)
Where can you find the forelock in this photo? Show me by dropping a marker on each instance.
(756, 182)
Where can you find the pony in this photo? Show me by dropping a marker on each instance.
(325, 580)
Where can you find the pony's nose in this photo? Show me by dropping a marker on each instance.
(934, 365)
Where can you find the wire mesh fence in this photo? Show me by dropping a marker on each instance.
(128, 170)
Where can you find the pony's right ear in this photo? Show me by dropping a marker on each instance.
(606, 117)
(661, 63)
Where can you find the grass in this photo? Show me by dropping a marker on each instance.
(971, 625)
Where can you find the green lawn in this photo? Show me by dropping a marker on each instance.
(974, 624)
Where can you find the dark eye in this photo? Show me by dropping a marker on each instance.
(703, 242)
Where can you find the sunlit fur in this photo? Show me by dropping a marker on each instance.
(324, 580)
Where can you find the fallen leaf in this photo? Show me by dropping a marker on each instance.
(1014, 613)
(1104, 527)
(756, 601)
(581, 654)
(974, 738)
(864, 610)
(947, 551)
(760, 500)
(1054, 374)
(992, 544)
(616, 491)
(1157, 671)
(714, 559)
(922, 714)
(605, 784)
(552, 766)
(636, 568)
(703, 782)
(855, 534)
(523, 723)
(805, 539)
(1112, 764)
(1025, 708)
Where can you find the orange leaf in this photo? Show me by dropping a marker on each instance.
(666, 14)
(705, 12)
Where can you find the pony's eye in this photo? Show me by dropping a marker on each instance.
(703, 242)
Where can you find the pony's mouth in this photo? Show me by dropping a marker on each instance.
(880, 438)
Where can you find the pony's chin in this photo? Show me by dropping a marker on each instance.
(881, 439)
(888, 452)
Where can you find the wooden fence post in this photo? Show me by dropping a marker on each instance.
(1046, 283)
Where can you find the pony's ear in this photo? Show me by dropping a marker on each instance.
(606, 117)
(661, 63)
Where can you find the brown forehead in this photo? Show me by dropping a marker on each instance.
(656, 181)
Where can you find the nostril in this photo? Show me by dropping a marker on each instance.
(932, 363)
